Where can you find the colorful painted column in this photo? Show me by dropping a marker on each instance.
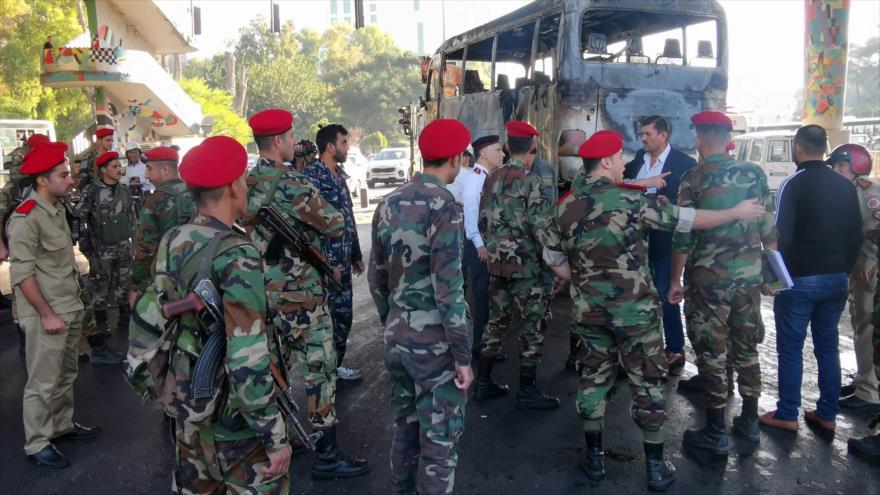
(825, 44)
(102, 111)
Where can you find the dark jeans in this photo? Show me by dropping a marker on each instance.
(817, 301)
(661, 267)
(476, 276)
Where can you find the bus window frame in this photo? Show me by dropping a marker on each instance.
(557, 57)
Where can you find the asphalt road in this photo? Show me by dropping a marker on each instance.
(503, 450)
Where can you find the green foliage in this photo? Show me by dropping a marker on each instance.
(212, 71)
(217, 104)
(24, 27)
(863, 79)
(374, 142)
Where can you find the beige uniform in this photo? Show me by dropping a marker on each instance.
(861, 295)
(40, 246)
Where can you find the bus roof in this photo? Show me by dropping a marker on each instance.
(540, 8)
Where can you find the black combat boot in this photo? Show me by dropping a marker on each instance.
(571, 362)
(594, 460)
(330, 463)
(529, 397)
(486, 388)
(101, 354)
(124, 318)
(21, 340)
(746, 424)
(867, 447)
(661, 473)
(693, 384)
(711, 440)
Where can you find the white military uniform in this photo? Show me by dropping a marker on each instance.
(467, 188)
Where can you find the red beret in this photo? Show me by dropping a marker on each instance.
(443, 138)
(519, 129)
(601, 145)
(106, 157)
(271, 122)
(43, 158)
(710, 117)
(37, 139)
(162, 153)
(218, 161)
(104, 131)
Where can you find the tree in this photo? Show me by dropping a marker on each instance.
(863, 79)
(25, 26)
(374, 142)
(217, 104)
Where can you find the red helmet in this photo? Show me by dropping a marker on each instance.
(857, 156)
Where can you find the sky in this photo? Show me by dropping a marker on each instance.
(765, 37)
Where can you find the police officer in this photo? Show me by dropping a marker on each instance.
(46, 282)
(344, 252)
(466, 189)
(242, 447)
(854, 162)
(519, 228)
(171, 205)
(724, 270)
(416, 282)
(108, 223)
(297, 295)
(604, 225)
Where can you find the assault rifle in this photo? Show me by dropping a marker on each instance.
(298, 241)
(205, 302)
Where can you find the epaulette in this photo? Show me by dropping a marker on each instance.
(863, 183)
(562, 198)
(477, 171)
(637, 187)
(27, 206)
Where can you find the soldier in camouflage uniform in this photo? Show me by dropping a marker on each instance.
(854, 163)
(241, 447)
(724, 271)
(171, 205)
(108, 223)
(344, 251)
(519, 228)
(416, 282)
(604, 226)
(297, 295)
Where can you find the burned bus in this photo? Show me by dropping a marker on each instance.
(574, 67)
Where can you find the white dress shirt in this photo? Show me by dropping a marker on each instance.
(467, 188)
(139, 170)
(647, 171)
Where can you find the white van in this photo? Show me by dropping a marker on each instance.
(772, 150)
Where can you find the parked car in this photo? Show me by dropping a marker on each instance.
(390, 166)
(356, 168)
(772, 150)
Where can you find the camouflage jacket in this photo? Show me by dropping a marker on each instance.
(415, 271)
(107, 214)
(171, 205)
(869, 203)
(344, 250)
(518, 223)
(291, 279)
(237, 275)
(14, 191)
(605, 236)
(728, 256)
(548, 178)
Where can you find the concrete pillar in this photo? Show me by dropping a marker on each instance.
(825, 46)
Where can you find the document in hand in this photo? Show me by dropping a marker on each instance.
(780, 279)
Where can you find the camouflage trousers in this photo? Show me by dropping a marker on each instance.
(88, 321)
(427, 410)
(522, 300)
(640, 350)
(205, 465)
(110, 274)
(307, 331)
(722, 320)
(861, 307)
(340, 302)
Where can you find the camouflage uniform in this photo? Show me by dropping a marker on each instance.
(861, 295)
(604, 231)
(296, 292)
(723, 299)
(518, 225)
(228, 452)
(341, 251)
(171, 205)
(416, 282)
(108, 224)
(549, 190)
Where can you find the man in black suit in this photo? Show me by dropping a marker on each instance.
(659, 168)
